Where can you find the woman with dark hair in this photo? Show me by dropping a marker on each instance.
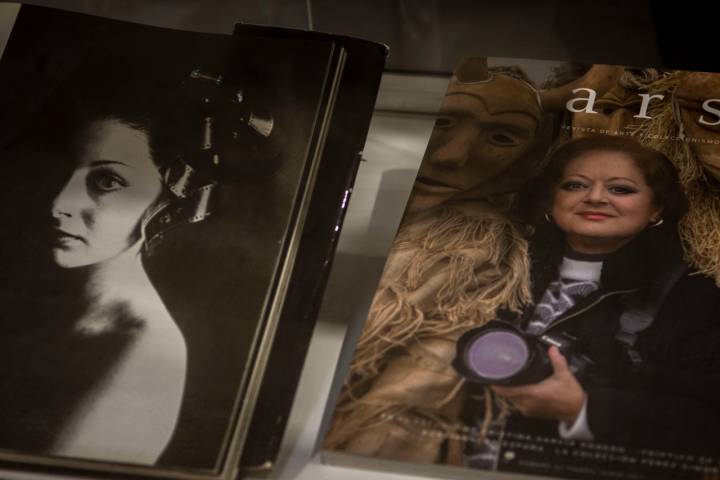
(98, 366)
(607, 273)
(104, 365)
(97, 224)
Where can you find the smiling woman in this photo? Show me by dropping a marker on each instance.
(607, 272)
(603, 201)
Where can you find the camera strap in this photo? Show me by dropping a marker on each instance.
(633, 321)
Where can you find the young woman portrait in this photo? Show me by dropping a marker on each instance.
(100, 174)
(111, 383)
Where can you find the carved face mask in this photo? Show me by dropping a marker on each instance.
(701, 127)
(485, 139)
(483, 128)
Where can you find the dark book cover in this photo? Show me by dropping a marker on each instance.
(167, 203)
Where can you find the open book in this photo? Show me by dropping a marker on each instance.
(550, 303)
(171, 206)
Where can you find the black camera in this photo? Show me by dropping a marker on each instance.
(499, 353)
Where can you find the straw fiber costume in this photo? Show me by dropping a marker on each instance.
(457, 259)
(675, 130)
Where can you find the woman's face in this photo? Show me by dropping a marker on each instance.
(602, 202)
(97, 212)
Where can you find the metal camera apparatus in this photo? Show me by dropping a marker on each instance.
(227, 140)
(499, 353)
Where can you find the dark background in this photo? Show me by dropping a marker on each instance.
(430, 35)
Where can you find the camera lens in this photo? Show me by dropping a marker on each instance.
(497, 355)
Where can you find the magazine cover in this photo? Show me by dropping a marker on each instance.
(550, 305)
(158, 185)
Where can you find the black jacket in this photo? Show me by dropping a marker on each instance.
(671, 400)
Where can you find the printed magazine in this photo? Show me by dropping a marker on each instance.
(550, 305)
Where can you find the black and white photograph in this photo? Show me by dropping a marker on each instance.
(153, 181)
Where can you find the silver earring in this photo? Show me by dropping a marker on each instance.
(548, 218)
(657, 223)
